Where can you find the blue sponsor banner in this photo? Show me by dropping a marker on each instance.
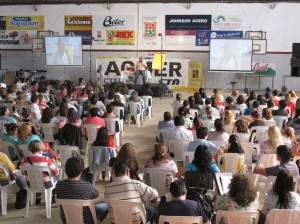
(188, 22)
(203, 36)
(86, 35)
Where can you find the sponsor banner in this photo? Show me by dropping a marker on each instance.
(102, 24)
(203, 36)
(225, 22)
(188, 22)
(195, 75)
(182, 40)
(23, 23)
(86, 35)
(150, 30)
(263, 68)
(17, 36)
(120, 37)
(78, 22)
(175, 71)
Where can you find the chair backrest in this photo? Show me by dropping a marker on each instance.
(249, 148)
(188, 157)
(120, 112)
(175, 107)
(35, 176)
(113, 125)
(286, 216)
(162, 134)
(91, 130)
(2, 126)
(4, 168)
(219, 143)
(207, 124)
(180, 219)
(269, 123)
(259, 133)
(6, 145)
(123, 211)
(268, 160)
(232, 161)
(280, 121)
(156, 178)
(198, 179)
(178, 147)
(73, 209)
(47, 129)
(243, 137)
(260, 108)
(194, 112)
(134, 108)
(268, 187)
(238, 217)
(236, 113)
(66, 152)
(222, 182)
(24, 149)
(147, 101)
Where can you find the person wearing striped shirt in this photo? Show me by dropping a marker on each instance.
(75, 188)
(125, 188)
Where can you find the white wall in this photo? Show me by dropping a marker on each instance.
(280, 25)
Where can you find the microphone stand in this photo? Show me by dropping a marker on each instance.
(161, 85)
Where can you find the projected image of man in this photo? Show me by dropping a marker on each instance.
(228, 59)
(61, 56)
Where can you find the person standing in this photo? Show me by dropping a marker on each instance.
(141, 67)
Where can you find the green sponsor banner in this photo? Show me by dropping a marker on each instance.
(263, 69)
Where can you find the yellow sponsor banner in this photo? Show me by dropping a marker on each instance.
(25, 23)
(74, 22)
(120, 37)
(195, 75)
(158, 61)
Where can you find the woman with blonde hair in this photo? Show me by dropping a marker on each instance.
(290, 104)
(161, 158)
(219, 100)
(294, 96)
(270, 146)
(229, 121)
(26, 136)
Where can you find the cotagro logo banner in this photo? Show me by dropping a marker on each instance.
(24, 23)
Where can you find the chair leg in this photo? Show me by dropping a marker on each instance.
(48, 198)
(138, 120)
(29, 196)
(4, 199)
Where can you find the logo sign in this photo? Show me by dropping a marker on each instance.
(24, 22)
(112, 22)
(150, 30)
(263, 68)
(222, 22)
(120, 37)
(203, 36)
(78, 22)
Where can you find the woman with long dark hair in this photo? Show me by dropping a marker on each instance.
(282, 196)
(202, 162)
(219, 134)
(234, 145)
(71, 119)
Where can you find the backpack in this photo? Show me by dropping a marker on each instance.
(203, 196)
(21, 197)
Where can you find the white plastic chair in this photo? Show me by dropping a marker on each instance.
(148, 104)
(119, 111)
(194, 112)
(156, 178)
(268, 160)
(178, 147)
(114, 128)
(47, 130)
(236, 113)
(135, 109)
(91, 130)
(260, 108)
(4, 189)
(24, 149)
(231, 161)
(219, 143)
(280, 121)
(73, 209)
(238, 217)
(270, 123)
(249, 148)
(243, 137)
(180, 219)
(188, 157)
(175, 108)
(162, 134)
(268, 184)
(222, 181)
(286, 216)
(35, 177)
(207, 124)
(259, 133)
(4, 149)
(66, 152)
(123, 210)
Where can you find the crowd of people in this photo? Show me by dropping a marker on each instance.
(232, 118)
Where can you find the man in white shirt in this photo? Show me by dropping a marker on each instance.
(35, 110)
(208, 103)
(141, 67)
(179, 132)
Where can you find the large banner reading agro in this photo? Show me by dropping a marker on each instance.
(114, 30)
(19, 29)
(203, 36)
(79, 26)
(149, 30)
(181, 29)
(227, 22)
(175, 71)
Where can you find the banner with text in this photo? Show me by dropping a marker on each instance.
(114, 30)
(175, 71)
(149, 30)
(182, 28)
(227, 22)
(195, 75)
(203, 36)
(263, 68)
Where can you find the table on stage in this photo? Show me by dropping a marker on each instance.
(128, 77)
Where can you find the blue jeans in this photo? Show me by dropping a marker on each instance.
(142, 73)
(150, 212)
(101, 211)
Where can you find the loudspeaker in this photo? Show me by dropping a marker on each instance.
(295, 62)
(296, 50)
(295, 71)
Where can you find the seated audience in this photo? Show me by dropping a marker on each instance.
(240, 101)
(229, 121)
(11, 135)
(63, 111)
(249, 110)
(125, 188)
(267, 114)
(256, 120)
(179, 206)
(74, 188)
(208, 103)
(281, 110)
(241, 126)
(4, 112)
(71, 119)
(198, 101)
(288, 136)
(219, 134)
(284, 155)
(117, 102)
(284, 91)
(94, 118)
(249, 101)
(179, 132)
(275, 140)
(187, 121)
(289, 103)
(35, 110)
(230, 105)
(110, 112)
(294, 96)
(167, 123)
(146, 90)
(26, 136)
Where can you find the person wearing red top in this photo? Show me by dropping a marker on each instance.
(63, 91)
(94, 119)
(289, 103)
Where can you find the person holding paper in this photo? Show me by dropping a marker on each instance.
(141, 67)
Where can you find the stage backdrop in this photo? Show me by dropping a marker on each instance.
(175, 70)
